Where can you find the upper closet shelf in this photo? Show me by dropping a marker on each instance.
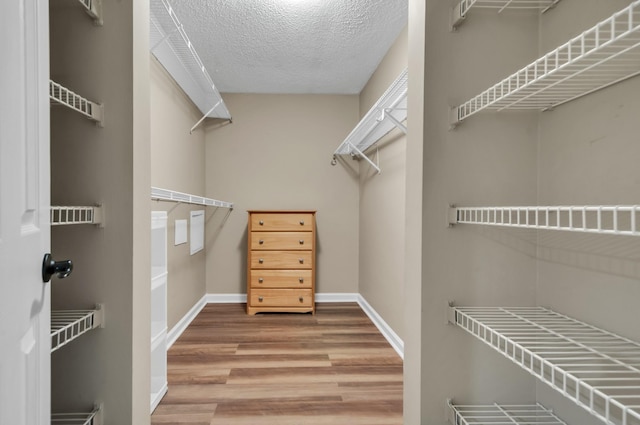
(75, 215)
(69, 325)
(501, 414)
(596, 369)
(610, 220)
(93, 9)
(171, 195)
(91, 418)
(173, 49)
(599, 57)
(63, 96)
(461, 9)
(389, 112)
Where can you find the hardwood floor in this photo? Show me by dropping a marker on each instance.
(282, 369)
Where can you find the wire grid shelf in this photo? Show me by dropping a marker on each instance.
(180, 59)
(171, 195)
(596, 369)
(93, 9)
(387, 113)
(92, 418)
(69, 325)
(65, 215)
(501, 414)
(611, 220)
(63, 96)
(599, 57)
(461, 9)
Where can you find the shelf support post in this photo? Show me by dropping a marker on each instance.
(386, 114)
(205, 116)
(365, 157)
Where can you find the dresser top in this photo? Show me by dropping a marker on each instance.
(282, 211)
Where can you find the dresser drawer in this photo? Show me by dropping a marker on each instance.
(282, 240)
(281, 298)
(281, 260)
(281, 279)
(271, 222)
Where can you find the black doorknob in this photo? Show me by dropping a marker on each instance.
(50, 267)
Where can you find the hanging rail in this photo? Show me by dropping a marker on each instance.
(180, 59)
(171, 195)
(389, 112)
(91, 418)
(602, 219)
(93, 9)
(65, 215)
(462, 8)
(69, 325)
(63, 96)
(501, 414)
(599, 57)
(596, 369)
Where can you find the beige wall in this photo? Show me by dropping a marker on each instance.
(177, 163)
(276, 155)
(92, 165)
(382, 202)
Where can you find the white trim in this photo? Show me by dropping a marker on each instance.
(393, 338)
(180, 327)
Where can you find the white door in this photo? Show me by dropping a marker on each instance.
(25, 344)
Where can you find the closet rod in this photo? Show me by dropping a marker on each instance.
(174, 196)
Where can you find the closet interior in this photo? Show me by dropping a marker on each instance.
(537, 257)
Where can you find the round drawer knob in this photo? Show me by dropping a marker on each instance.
(301, 222)
(260, 280)
(301, 299)
(301, 280)
(260, 299)
(261, 223)
(261, 260)
(301, 260)
(301, 241)
(260, 241)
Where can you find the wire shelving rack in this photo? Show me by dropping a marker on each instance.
(70, 324)
(495, 414)
(598, 370)
(389, 112)
(462, 8)
(93, 9)
(91, 418)
(603, 55)
(66, 215)
(63, 96)
(173, 49)
(171, 195)
(599, 219)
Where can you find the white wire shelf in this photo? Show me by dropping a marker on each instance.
(601, 219)
(66, 215)
(171, 195)
(173, 49)
(69, 325)
(92, 418)
(461, 9)
(596, 369)
(389, 112)
(599, 57)
(501, 414)
(63, 96)
(93, 9)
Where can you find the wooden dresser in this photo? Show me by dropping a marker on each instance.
(281, 261)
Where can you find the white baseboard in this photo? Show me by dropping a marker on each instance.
(180, 327)
(393, 338)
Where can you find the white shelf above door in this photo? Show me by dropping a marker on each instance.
(63, 96)
(461, 9)
(389, 112)
(600, 219)
(170, 44)
(604, 55)
(70, 324)
(66, 215)
(171, 195)
(598, 370)
(495, 414)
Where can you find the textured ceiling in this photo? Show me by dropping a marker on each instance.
(291, 46)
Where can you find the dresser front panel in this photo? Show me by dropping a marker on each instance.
(282, 240)
(272, 222)
(281, 279)
(281, 260)
(281, 297)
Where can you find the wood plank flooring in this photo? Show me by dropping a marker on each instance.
(229, 368)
